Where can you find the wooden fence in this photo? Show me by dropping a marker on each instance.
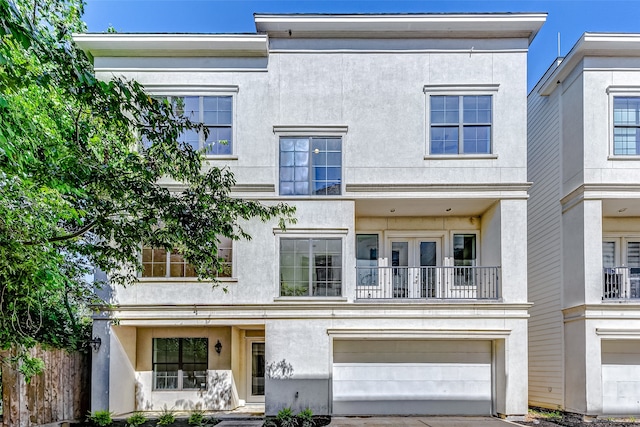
(62, 392)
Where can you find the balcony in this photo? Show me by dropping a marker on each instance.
(427, 283)
(621, 283)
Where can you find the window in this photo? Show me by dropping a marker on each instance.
(310, 166)
(310, 267)
(626, 126)
(460, 124)
(367, 259)
(180, 363)
(158, 262)
(216, 113)
(464, 255)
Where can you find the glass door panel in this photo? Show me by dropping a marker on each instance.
(256, 370)
(428, 258)
(413, 262)
(399, 275)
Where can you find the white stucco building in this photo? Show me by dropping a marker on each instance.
(402, 289)
(584, 229)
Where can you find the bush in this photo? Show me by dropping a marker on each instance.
(305, 418)
(167, 417)
(285, 418)
(137, 419)
(196, 418)
(100, 418)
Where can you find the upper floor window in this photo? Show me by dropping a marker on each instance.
(180, 363)
(310, 166)
(216, 113)
(158, 262)
(460, 124)
(310, 267)
(626, 125)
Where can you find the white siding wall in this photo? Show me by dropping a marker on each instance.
(546, 376)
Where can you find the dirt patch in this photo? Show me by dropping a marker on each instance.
(546, 418)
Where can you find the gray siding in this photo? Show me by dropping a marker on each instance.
(546, 377)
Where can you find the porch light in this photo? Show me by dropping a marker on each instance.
(96, 342)
(218, 347)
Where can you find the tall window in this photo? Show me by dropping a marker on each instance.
(158, 262)
(216, 113)
(310, 267)
(310, 166)
(180, 363)
(460, 124)
(626, 125)
(464, 255)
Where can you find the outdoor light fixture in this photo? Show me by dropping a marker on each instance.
(218, 347)
(96, 342)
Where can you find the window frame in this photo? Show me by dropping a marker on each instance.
(311, 131)
(205, 91)
(311, 234)
(180, 363)
(620, 92)
(168, 277)
(460, 91)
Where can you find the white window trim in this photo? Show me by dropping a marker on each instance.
(310, 233)
(233, 278)
(205, 90)
(310, 131)
(612, 92)
(458, 90)
(478, 245)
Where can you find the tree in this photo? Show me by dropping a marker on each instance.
(77, 188)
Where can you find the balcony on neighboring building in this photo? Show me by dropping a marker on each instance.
(621, 283)
(432, 283)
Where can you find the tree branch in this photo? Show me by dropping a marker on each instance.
(80, 232)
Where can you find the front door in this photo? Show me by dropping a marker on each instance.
(413, 272)
(255, 368)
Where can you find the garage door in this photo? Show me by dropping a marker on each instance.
(399, 377)
(620, 377)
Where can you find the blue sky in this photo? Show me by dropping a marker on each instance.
(570, 18)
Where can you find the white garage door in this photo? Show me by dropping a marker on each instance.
(395, 377)
(620, 377)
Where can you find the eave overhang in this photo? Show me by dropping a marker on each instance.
(591, 45)
(171, 45)
(481, 25)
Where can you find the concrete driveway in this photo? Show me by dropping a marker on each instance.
(420, 422)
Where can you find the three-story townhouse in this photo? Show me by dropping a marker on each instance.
(402, 288)
(584, 229)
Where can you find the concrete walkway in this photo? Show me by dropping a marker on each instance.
(420, 422)
(394, 422)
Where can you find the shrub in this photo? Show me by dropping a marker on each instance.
(196, 418)
(305, 418)
(285, 418)
(100, 418)
(137, 419)
(167, 417)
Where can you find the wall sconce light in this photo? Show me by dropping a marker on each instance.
(218, 347)
(96, 342)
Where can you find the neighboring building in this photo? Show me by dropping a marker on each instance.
(584, 229)
(402, 289)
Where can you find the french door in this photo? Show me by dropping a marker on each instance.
(412, 269)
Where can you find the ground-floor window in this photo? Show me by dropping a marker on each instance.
(180, 363)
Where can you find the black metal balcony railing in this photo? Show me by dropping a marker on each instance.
(430, 283)
(621, 283)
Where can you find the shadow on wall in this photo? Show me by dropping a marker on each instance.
(220, 395)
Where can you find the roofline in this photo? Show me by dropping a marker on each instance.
(590, 44)
(450, 25)
(158, 45)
